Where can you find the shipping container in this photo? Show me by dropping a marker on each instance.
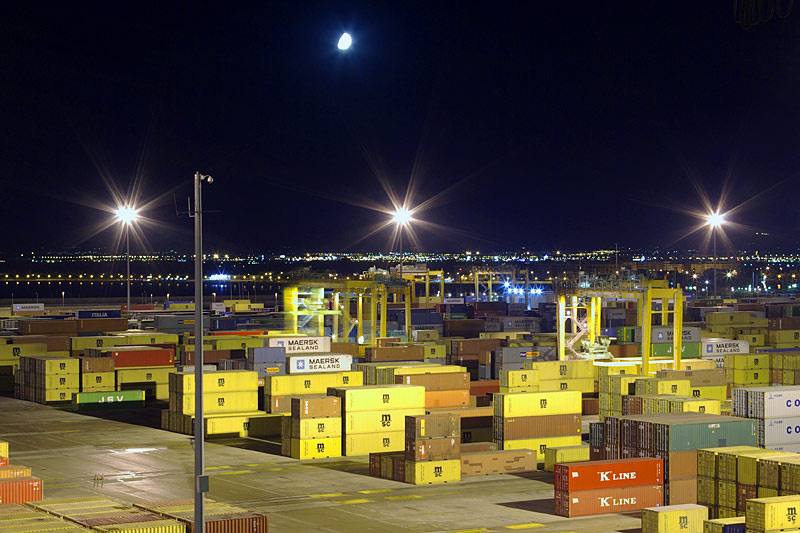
(374, 397)
(570, 477)
(310, 383)
(21, 490)
(426, 472)
(316, 448)
(475, 462)
(686, 518)
(378, 421)
(220, 381)
(571, 454)
(608, 500)
(540, 444)
(537, 403)
(725, 525)
(444, 425)
(766, 514)
(523, 427)
(366, 443)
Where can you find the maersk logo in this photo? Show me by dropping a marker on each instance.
(280, 344)
(660, 335)
(709, 348)
(301, 364)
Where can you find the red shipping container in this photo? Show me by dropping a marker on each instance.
(605, 501)
(136, 356)
(482, 388)
(21, 490)
(592, 475)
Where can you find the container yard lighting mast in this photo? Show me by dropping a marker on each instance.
(715, 220)
(200, 479)
(128, 215)
(402, 218)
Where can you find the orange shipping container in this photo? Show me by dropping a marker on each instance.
(21, 490)
(482, 388)
(447, 398)
(436, 382)
(12, 471)
(604, 501)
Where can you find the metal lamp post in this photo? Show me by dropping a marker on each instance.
(715, 220)
(127, 215)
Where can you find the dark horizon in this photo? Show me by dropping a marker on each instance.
(546, 126)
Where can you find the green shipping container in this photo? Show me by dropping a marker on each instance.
(127, 399)
(704, 431)
(688, 350)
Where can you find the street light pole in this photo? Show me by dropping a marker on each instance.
(128, 254)
(714, 235)
(200, 479)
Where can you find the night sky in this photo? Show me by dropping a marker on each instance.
(558, 124)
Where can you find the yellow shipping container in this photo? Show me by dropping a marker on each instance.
(373, 397)
(218, 381)
(676, 387)
(785, 336)
(698, 364)
(750, 377)
(570, 454)
(7, 472)
(4, 449)
(746, 361)
(292, 385)
(711, 392)
(181, 306)
(540, 445)
(718, 524)
(537, 403)
(726, 493)
(519, 378)
(604, 368)
(695, 405)
(529, 388)
(143, 338)
(370, 370)
(105, 341)
(142, 375)
(720, 318)
(155, 526)
(12, 352)
(562, 369)
(426, 472)
(766, 492)
(619, 384)
(765, 514)
(56, 395)
(56, 366)
(63, 381)
(377, 421)
(236, 342)
(754, 340)
(94, 380)
(316, 428)
(219, 402)
(239, 424)
(580, 384)
(670, 518)
(366, 443)
(747, 464)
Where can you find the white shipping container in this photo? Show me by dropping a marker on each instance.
(774, 431)
(719, 359)
(301, 344)
(774, 402)
(792, 448)
(321, 362)
(723, 347)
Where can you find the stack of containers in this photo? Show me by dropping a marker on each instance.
(565, 375)
(777, 410)
(777, 476)
(21, 518)
(613, 388)
(715, 489)
(230, 401)
(747, 370)
(785, 368)
(511, 358)
(615, 486)
(711, 383)
(663, 404)
(220, 517)
(279, 390)
(315, 428)
(445, 386)
(370, 370)
(97, 374)
(374, 416)
(432, 449)
(772, 514)
(17, 485)
(537, 420)
(45, 379)
(100, 514)
(9, 363)
(688, 518)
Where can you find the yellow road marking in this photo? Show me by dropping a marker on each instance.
(525, 526)
(329, 495)
(404, 497)
(261, 464)
(233, 472)
(375, 491)
(216, 467)
(472, 531)
(274, 469)
(352, 501)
